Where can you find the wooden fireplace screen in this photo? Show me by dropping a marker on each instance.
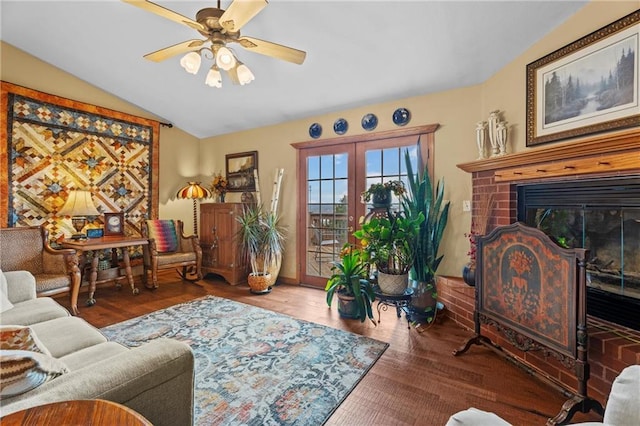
(50, 145)
(534, 293)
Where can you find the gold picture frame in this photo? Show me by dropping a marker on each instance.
(588, 86)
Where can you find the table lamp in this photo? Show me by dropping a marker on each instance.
(194, 191)
(79, 205)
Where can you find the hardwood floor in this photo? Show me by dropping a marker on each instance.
(417, 381)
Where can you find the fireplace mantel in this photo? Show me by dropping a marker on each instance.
(611, 346)
(605, 153)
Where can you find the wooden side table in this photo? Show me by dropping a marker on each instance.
(95, 412)
(113, 243)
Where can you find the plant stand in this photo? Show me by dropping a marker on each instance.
(399, 301)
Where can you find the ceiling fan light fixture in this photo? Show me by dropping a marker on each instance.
(214, 78)
(245, 76)
(225, 59)
(191, 62)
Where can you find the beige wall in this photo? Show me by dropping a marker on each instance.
(183, 157)
(275, 151)
(456, 111)
(178, 149)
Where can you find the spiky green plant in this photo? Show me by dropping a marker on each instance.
(349, 279)
(421, 200)
(260, 236)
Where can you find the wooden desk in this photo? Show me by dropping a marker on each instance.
(96, 412)
(112, 242)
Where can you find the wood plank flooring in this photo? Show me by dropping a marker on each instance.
(416, 381)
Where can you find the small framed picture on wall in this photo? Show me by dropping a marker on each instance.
(240, 168)
(113, 224)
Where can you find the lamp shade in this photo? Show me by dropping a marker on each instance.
(225, 59)
(245, 76)
(191, 62)
(79, 203)
(214, 78)
(194, 191)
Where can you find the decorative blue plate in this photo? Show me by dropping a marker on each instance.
(401, 116)
(369, 122)
(315, 130)
(340, 126)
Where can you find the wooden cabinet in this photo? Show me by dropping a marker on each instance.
(221, 254)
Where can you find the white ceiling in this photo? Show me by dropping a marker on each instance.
(358, 53)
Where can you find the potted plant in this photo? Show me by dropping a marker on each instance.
(355, 293)
(262, 240)
(380, 193)
(220, 186)
(389, 243)
(421, 202)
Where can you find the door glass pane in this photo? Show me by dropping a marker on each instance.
(341, 166)
(313, 168)
(385, 165)
(327, 225)
(391, 162)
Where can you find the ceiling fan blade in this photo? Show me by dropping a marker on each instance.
(239, 13)
(166, 13)
(176, 49)
(273, 49)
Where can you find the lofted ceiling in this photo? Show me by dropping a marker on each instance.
(358, 53)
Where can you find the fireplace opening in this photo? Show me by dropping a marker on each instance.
(603, 216)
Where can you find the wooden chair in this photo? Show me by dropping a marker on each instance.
(170, 248)
(55, 270)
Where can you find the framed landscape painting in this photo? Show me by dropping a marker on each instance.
(240, 169)
(588, 86)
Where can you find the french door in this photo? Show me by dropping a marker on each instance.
(331, 177)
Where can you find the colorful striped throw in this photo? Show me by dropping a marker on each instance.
(164, 233)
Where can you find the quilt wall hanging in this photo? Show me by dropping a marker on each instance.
(50, 145)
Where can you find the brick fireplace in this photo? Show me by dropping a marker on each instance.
(611, 346)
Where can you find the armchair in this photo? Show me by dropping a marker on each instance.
(55, 270)
(169, 248)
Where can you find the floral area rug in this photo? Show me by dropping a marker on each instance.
(257, 367)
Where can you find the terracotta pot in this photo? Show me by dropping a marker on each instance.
(259, 283)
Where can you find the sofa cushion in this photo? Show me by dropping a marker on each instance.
(88, 356)
(33, 311)
(21, 286)
(22, 371)
(63, 336)
(5, 304)
(622, 406)
(18, 337)
(475, 417)
(165, 235)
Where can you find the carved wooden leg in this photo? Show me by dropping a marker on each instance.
(154, 275)
(93, 277)
(572, 406)
(127, 269)
(477, 340)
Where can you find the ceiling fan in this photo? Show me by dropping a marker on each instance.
(219, 27)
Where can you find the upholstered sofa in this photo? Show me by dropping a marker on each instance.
(155, 379)
(622, 409)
